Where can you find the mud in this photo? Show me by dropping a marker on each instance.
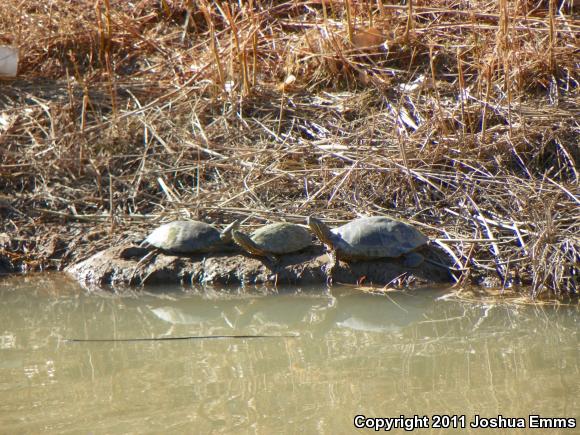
(129, 265)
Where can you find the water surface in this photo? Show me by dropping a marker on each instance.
(354, 353)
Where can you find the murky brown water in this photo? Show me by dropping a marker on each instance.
(355, 354)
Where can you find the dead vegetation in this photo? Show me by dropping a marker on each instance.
(460, 117)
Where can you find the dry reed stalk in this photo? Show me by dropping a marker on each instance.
(349, 19)
(461, 83)
(409, 25)
(213, 45)
(105, 38)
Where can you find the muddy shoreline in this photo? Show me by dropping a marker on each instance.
(126, 265)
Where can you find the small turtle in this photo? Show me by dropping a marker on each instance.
(275, 239)
(370, 238)
(190, 237)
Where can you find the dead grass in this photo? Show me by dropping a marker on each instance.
(461, 118)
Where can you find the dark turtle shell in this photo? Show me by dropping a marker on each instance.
(282, 238)
(186, 237)
(376, 237)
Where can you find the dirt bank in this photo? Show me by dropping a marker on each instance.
(122, 266)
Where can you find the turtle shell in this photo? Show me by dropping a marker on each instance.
(377, 237)
(282, 238)
(185, 237)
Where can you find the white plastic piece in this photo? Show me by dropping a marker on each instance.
(8, 61)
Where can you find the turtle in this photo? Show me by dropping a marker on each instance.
(274, 239)
(370, 238)
(190, 237)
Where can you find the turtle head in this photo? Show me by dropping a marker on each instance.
(321, 230)
(248, 245)
(226, 234)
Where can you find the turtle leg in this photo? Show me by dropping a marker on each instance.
(332, 266)
(145, 261)
(413, 259)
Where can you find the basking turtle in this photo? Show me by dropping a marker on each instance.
(190, 237)
(275, 239)
(370, 238)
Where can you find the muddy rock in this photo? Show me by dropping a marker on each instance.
(129, 265)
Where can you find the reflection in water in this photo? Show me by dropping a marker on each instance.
(356, 354)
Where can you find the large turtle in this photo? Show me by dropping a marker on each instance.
(275, 239)
(371, 238)
(190, 237)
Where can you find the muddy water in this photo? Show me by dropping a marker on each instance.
(349, 354)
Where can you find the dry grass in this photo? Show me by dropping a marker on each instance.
(461, 117)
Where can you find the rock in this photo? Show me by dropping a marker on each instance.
(116, 268)
(5, 266)
(132, 251)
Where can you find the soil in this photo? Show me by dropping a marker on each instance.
(130, 265)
